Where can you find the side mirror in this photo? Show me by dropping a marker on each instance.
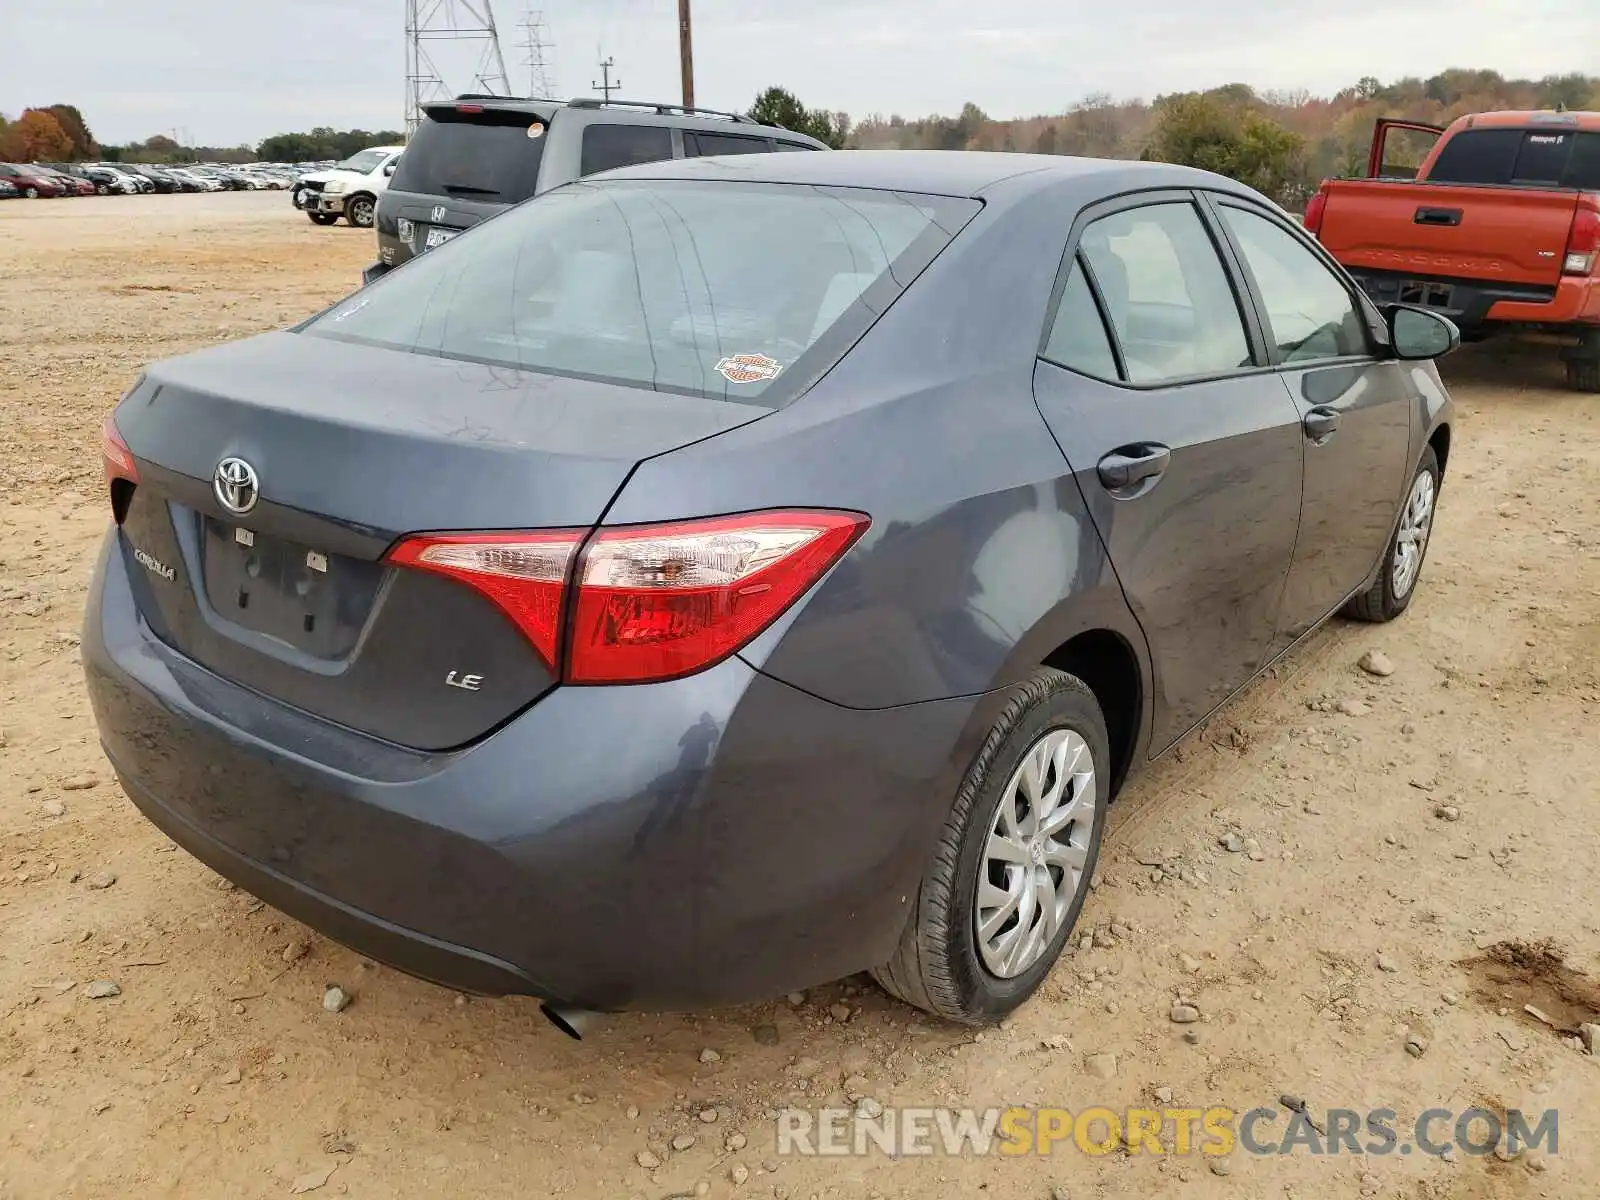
(1418, 333)
(388, 167)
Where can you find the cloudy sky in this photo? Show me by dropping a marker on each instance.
(224, 72)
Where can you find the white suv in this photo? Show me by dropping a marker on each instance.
(349, 190)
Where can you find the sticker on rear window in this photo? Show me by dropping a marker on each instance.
(748, 368)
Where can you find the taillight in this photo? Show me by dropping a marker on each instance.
(523, 574)
(1315, 208)
(657, 602)
(653, 601)
(115, 456)
(1583, 243)
(469, 108)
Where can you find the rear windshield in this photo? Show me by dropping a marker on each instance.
(1548, 157)
(473, 156)
(733, 290)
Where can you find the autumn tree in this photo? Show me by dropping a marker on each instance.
(779, 106)
(36, 136)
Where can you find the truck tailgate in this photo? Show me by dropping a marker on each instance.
(1479, 233)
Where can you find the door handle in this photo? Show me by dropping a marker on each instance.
(1321, 422)
(1130, 465)
(1437, 216)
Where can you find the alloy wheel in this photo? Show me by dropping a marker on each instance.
(1038, 846)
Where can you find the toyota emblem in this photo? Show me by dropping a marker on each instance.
(236, 485)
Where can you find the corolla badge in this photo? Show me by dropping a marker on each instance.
(153, 564)
(236, 485)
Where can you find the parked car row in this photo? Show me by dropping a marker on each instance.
(37, 180)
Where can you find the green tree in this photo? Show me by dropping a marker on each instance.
(323, 142)
(1206, 132)
(74, 126)
(1565, 91)
(779, 106)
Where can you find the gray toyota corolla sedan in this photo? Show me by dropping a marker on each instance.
(722, 576)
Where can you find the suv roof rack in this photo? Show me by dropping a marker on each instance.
(665, 110)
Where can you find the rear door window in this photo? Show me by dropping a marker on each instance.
(1166, 293)
(706, 144)
(1078, 337)
(607, 146)
(486, 156)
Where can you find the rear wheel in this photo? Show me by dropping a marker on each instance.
(1012, 867)
(1390, 595)
(103, 188)
(31, 193)
(323, 218)
(1583, 374)
(359, 211)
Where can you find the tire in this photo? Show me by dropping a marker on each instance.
(31, 193)
(1390, 594)
(361, 211)
(1583, 374)
(103, 189)
(323, 218)
(941, 964)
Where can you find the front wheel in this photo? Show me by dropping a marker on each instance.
(1012, 867)
(32, 193)
(1390, 595)
(318, 218)
(359, 212)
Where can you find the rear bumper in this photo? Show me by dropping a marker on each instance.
(1574, 301)
(717, 839)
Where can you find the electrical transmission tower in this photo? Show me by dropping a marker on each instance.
(461, 32)
(537, 50)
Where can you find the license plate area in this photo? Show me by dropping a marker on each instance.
(309, 599)
(438, 237)
(1426, 293)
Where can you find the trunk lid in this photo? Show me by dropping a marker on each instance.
(352, 447)
(1484, 234)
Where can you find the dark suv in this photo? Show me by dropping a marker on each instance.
(477, 155)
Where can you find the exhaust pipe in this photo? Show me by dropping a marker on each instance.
(574, 1022)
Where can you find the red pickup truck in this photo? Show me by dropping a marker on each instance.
(1498, 228)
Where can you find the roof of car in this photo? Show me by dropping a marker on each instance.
(937, 172)
(649, 112)
(1528, 119)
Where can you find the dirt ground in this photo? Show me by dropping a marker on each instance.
(1355, 919)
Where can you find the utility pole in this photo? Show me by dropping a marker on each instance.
(605, 73)
(686, 53)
